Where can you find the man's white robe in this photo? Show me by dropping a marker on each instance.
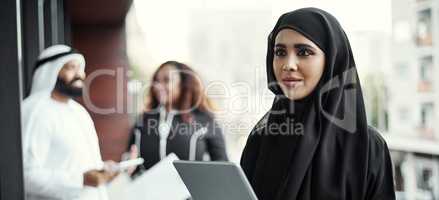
(59, 139)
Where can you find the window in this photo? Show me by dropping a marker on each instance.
(399, 160)
(425, 178)
(424, 28)
(427, 117)
(426, 73)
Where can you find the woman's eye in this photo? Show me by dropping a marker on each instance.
(304, 52)
(280, 52)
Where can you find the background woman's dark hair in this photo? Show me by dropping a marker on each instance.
(192, 97)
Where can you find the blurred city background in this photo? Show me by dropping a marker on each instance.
(225, 41)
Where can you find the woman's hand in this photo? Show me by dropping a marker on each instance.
(133, 154)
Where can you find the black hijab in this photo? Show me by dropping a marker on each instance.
(318, 147)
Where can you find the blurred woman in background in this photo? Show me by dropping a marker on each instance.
(178, 118)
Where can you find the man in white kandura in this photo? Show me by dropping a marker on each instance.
(61, 156)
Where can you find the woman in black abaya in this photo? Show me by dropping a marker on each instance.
(315, 142)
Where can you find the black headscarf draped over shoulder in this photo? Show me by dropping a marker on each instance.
(318, 147)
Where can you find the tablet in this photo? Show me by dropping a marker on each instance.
(214, 180)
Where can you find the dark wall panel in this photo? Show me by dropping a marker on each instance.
(11, 174)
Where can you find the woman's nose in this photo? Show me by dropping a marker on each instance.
(291, 64)
(159, 87)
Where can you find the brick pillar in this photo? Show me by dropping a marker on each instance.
(98, 31)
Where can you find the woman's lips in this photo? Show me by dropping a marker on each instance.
(292, 82)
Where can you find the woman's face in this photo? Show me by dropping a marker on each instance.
(298, 64)
(167, 85)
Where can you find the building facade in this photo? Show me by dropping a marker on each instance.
(413, 95)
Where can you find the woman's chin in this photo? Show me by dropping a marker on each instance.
(294, 95)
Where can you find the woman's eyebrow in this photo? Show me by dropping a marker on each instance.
(296, 46)
(303, 45)
(280, 45)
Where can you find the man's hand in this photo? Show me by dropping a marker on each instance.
(95, 178)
